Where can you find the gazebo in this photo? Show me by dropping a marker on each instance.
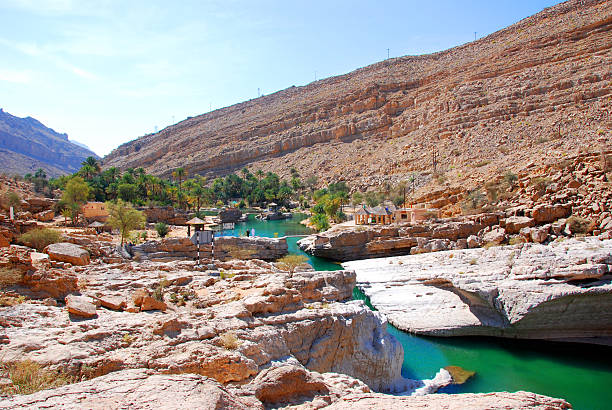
(97, 226)
(382, 215)
(197, 224)
(362, 215)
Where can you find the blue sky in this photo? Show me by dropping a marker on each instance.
(109, 71)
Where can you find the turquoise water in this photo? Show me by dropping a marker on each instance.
(280, 228)
(581, 374)
(578, 373)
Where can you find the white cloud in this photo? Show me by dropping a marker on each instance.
(34, 50)
(14, 76)
(59, 7)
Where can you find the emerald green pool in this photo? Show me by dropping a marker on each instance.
(581, 374)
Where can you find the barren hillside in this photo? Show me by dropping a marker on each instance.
(26, 145)
(536, 91)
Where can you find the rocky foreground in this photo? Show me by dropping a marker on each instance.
(143, 389)
(561, 291)
(242, 335)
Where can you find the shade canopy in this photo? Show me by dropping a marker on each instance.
(195, 221)
(96, 224)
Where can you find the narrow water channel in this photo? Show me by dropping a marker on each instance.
(581, 374)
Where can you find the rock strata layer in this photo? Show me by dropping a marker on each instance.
(225, 248)
(500, 99)
(561, 291)
(228, 328)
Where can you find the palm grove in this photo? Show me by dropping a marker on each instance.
(134, 186)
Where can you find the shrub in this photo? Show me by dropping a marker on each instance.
(473, 203)
(127, 339)
(39, 238)
(8, 199)
(29, 377)
(290, 262)
(580, 225)
(510, 178)
(124, 217)
(8, 300)
(158, 293)
(162, 229)
(515, 240)
(320, 222)
(540, 184)
(229, 340)
(226, 275)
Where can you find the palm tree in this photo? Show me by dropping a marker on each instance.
(87, 171)
(40, 173)
(179, 173)
(259, 174)
(91, 161)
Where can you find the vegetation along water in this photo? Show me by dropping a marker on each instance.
(581, 374)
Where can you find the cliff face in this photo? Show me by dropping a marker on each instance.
(557, 292)
(26, 145)
(501, 98)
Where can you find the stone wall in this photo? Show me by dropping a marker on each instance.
(225, 248)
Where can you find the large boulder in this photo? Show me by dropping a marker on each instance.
(514, 224)
(68, 252)
(80, 306)
(545, 213)
(135, 389)
(496, 236)
(45, 216)
(556, 292)
(286, 384)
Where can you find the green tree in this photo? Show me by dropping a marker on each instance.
(311, 182)
(320, 221)
(92, 162)
(75, 195)
(162, 229)
(178, 174)
(124, 217)
(357, 198)
(127, 192)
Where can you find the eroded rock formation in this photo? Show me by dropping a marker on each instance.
(561, 291)
(226, 328)
(225, 248)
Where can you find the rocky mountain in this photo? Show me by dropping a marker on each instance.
(26, 145)
(537, 90)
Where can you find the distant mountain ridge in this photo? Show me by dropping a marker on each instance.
(26, 145)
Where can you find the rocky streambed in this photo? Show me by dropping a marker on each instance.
(560, 291)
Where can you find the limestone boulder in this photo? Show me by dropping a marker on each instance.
(514, 224)
(496, 236)
(287, 384)
(67, 252)
(489, 401)
(546, 213)
(558, 291)
(473, 241)
(45, 216)
(136, 389)
(112, 302)
(540, 234)
(150, 303)
(80, 306)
